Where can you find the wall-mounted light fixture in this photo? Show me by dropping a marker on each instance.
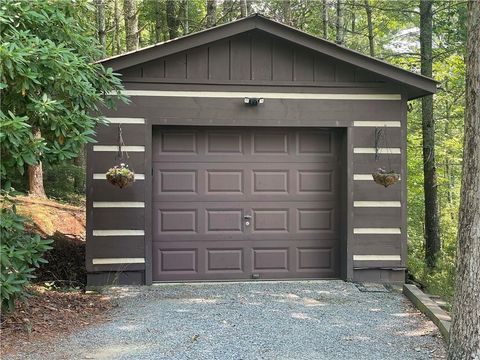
(253, 101)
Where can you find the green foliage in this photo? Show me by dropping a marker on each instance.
(20, 254)
(60, 180)
(50, 85)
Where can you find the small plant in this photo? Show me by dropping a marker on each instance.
(120, 176)
(385, 178)
(20, 254)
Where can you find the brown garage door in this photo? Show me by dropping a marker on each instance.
(241, 203)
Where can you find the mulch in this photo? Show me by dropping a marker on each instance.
(47, 314)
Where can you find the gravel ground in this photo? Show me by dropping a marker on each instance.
(252, 320)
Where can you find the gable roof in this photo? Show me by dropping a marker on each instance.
(416, 85)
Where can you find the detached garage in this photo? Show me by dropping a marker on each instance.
(253, 146)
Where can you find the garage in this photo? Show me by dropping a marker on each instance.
(233, 203)
(253, 146)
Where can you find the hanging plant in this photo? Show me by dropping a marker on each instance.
(385, 178)
(120, 176)
(382, 176)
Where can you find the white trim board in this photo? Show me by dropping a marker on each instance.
(395, 204)
(118, 204)
(115, 148)
(118, 233)
(124, 120)
(364, 177)
(241, 95)
(99, 176)
(371, 231)
(395, 124)
(393, 151)
(377, 258)
(112, 261)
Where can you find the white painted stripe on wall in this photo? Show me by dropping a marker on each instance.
(377, 231)
(118, 204)
(364, 177)
(118, 233)
(124, 120)
(394, 151)
(377, 258)
(104, 177)
(239, 95)
(377, 204)
(114, 148)
(111, 261)
(377, 124)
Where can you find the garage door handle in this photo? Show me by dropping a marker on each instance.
(247, 217)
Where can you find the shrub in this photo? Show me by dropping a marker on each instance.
(20, 254)
(66, 263)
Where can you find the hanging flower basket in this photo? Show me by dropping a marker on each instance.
(382, 177)
(120, 176)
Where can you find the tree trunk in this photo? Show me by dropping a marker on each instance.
(116, 20)
(101, 24)
(432, 226)
(158, 21)
(250, 4)
(287, 12)
(131, 24)
(465, 331)
(325, 19)
(354, 20)
(340, 38)
(371, 44)
(243, 8)
(171, 19)
(35, 174)
(183, 15)
(211, 13)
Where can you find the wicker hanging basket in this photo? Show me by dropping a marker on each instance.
(120, 176)
(385, 178)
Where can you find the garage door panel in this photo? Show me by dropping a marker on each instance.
(209, 182)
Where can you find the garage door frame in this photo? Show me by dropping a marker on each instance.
(345, 196)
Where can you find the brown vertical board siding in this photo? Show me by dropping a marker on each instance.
(371, 191)
(119, 218)
(176, 66)
(219, 60)
(324, 69)
(344, 72)
(377, 217)
(197, 63)
(240, 58)
(154, 69)
(380, 275)
(368, 244)
(102, 161)
(403, 183)
(304, 61)
(262, 55)
(89, 189)
(350, 218)
(282, 59)
(104, 191)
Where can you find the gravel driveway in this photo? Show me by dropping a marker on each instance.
(253, 320)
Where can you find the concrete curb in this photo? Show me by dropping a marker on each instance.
(427, 306)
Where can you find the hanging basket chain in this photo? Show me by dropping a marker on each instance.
(121, 144)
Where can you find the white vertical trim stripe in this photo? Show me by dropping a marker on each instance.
(393, 151)
(111, 261)
(118, 204)
(377, 124)
(115, 148)
(124, 120)
(240, 95)
(377, 204)
(364, 177)
(118, 233)
(104, 176)
(377, 231)
(376, 258)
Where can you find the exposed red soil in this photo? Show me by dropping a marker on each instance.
(50, 216)
(48, 314)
